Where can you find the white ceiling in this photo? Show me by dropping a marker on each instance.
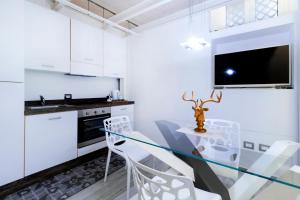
(172, 7)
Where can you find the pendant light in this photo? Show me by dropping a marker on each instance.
(193, 42)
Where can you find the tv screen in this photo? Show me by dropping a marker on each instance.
(254, 68)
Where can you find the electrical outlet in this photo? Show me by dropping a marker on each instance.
(68, 96)
(248, 145)
(263, 147)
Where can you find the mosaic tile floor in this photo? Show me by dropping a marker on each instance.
(68, 183)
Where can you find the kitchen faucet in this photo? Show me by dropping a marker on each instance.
(43, 100)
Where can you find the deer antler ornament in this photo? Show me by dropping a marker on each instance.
(199, 110)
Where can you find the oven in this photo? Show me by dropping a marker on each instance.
(90, 121)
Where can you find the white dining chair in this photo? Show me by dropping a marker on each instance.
(152, 184)
(119, 144)
(222, 143)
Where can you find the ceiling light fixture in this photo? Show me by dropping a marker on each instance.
(193, 42)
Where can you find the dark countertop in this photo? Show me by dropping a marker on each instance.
(72, 106)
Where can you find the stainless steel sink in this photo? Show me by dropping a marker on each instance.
(43, 107)
(47, 107)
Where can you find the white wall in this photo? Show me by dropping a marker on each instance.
(55, 85)
(160, 71)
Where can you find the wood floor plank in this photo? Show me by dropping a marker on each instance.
(114, 187)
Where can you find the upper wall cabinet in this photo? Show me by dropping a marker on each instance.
(115, 55)
(47, 39)
(12, 40)
(86, 49)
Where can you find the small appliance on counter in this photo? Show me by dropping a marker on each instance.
(115, 95)
(109, 98)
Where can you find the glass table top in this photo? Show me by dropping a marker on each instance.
(219, 158)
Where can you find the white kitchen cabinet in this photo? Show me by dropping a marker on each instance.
(11, 132)
(11, 41)
(86, 49)
(127, 110)
(11, 91)
(115, 55)
(50, 139)
(47, 39)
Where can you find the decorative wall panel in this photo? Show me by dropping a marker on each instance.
(265, 9)
(235, 14)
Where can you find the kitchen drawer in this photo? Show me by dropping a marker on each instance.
(91, 148)
(121, 110)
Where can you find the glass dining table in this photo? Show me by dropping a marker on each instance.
(220, 160)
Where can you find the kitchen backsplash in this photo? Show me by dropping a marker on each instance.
(55, 85)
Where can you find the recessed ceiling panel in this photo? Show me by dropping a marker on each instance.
(117, 6)
(170, 8)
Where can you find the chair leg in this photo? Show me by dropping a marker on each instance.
(153, 162)
(128, 181)
(107, 164)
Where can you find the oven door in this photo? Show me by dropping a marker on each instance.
(89, 130)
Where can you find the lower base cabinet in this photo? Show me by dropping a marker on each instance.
(11, 130)
(126, 110)
(50, 139)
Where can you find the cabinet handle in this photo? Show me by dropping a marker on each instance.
(55, 118)
(48, 66)
(123, 109)
(89, 59)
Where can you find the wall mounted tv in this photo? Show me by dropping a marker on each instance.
(267, 67)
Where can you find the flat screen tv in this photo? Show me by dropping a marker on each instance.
(268, 67)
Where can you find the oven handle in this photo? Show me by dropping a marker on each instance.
(85, 120)
(94, 127)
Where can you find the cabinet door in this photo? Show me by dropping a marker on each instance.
(115, 55)
(47, 39)
(11, 132)
(127, 110)
(50, 139)
(86, 49)
(11, 40)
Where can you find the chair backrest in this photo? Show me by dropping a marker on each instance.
(119, 125)
(225, 142)
(221, 143)
(153, 184)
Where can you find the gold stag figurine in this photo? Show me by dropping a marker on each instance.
(199, 110)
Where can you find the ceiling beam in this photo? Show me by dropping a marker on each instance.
(90, 14)
(138, 9)
(206, 5)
